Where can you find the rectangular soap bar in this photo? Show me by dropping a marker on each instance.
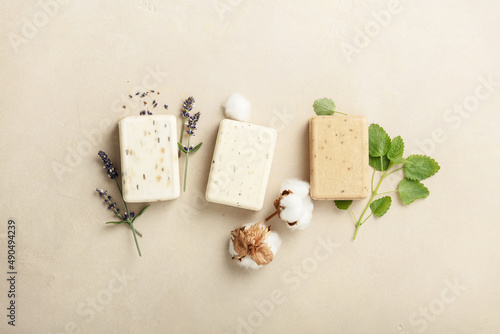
(338, 147)
(149, 162)
(241, 164)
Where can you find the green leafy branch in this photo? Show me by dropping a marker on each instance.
(386, 157)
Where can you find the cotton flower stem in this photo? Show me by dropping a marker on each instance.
(272, 216)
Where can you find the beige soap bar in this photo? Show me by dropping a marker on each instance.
(338, 147)
(241, 165)
(148, 150)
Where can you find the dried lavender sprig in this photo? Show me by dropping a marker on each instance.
(132, 214)
(126, 217)
(108, 165)
(109, 201)
(191, 127)
(191, 123)
(187, 106)
(113, 174)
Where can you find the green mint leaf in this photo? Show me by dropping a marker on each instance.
(324, 106)
(380, 142)
(181, 147)
(142, 211)
(397, 161)
(410, 190)
(379, 163)
(381, 206)
(420, 167)
(343, 204)
(397, 148)
(196, 148)
(120, 222)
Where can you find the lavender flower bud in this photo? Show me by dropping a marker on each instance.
(108, 165)
(187, 107)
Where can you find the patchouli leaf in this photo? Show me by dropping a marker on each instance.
(410, 190)
(379, 163)
(343, 204)
(397, 148)
(380, 142)
(420, 167)
(324, 106)
(381, 206)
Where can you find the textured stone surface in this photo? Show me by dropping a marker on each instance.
(63, 91)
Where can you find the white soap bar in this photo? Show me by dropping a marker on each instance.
(149, 162)
(241, 164)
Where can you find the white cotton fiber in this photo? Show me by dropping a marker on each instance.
(291, 208)
(237, 108)
(296, 208)
(274, 242)
(306, 218)
(298, 187)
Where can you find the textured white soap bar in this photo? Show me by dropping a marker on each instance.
(150, 166)
(241, 164)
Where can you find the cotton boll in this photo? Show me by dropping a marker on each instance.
(306, 218)
(237, 108)
(297, 186)
(274, 241)
(246, 262)
(295, 206)
(291, 208)
(264, 245)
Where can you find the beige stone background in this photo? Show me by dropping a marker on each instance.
(418, 68)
